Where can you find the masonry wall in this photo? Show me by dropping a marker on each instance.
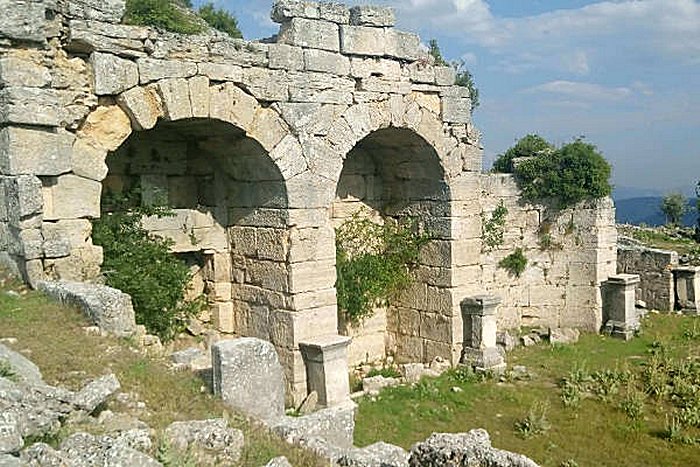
(655, 269)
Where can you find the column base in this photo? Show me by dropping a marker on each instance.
(490, 359)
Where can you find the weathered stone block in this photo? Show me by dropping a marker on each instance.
(379, 67)
(445, 75)
(110, 11)
(456, 110)
(361, 40)
(266, 85)
(312, 34)
(320, 88)
(222, 317)
(23, 20)
(286, 57)
(221, 71)
(153, 70)
(23, 197)
(24, 68)
(143, 105)
(326, 366)
(107, 127)
(229, 103)
(175, 95)
(88, 161)
(112, 74)
(71, 197)
(248, 377)
(286, 10)
(31, 106)
(334, 12)
(38, 152)
(403, 45)
(326, 62)
(370, 15)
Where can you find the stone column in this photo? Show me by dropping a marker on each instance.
(619, 311)
(687, 280)
(326, 359)
(479, 318)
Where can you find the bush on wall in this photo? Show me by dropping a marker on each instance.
(567, 175)
(373, 263)
(141, 265)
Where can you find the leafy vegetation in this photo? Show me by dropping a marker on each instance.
(220, 19)
(6, 370)
(566, 176)
(173, 15)
(515, 263)
(162, 14)
(141, 265)
(385, 371)
(617, 411)
(674, 206)
(463, 78)
(373, 262)
(493, 228)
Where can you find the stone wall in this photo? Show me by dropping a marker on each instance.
(655, 269)
(263, 147)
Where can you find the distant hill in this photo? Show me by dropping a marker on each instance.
(646, 210)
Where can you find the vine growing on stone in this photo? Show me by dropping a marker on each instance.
(493, 228)
(374, 262)
(141, 265)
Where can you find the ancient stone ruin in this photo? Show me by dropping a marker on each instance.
(263, 148)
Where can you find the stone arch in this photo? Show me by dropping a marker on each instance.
(395, 172)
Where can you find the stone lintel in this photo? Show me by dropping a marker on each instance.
(624, 279)
(324, 346)
(480, 305)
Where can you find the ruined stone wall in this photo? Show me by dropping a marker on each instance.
(570, 253)
(655, 269)
(263, 147)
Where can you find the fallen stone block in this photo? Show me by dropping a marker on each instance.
(375, 384)
(10, 437)
(279, 462)
(335, 426)
(376, 455)
(21, 367)
(211, 442)
(96, 393)
(564, 335)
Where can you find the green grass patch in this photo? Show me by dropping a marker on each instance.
(618, 419)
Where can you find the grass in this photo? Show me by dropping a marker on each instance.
(53, 338)
(616, 421)
(660, 239)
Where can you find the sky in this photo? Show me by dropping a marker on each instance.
(624, 74)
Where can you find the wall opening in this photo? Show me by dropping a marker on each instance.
(229, 200)
(396, 173)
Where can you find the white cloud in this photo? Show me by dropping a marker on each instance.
(582, 91)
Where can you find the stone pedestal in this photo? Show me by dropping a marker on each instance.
(619, 310)
(479, 318)
(687, 280)
(326, 359)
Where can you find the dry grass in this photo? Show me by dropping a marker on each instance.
(52, 336)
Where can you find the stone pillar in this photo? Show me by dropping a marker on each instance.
(326, 359)
(687, 280)
(479, 320)
(619, 311)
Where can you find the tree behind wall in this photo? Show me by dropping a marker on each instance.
(674, 206)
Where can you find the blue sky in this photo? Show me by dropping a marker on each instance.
(625, 74)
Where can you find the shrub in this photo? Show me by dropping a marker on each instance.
(220, 19)
(373, 263)
(385, 371)
(463, 76)
(515, 263)
(493, 228)
(569, 175)
(535, 422)
(142, 266)
(528, 146)
(160, 14)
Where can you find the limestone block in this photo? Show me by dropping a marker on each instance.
(110, 11)
(312, 275)
(288, 157)
(221, 71)
(321, 299)
(272, 244)
(310, 118)
(285, 10)
(421, 73)
(143, 105)
(88, 161)
(113, 75)
(23, 20)
(82, 265)
(456, 110)
(153, 70)
(310, 33)
(382, 85)
(361, 40)
(248, 377)
(326, 62)
(175, 95)
(222, 317)
(311, 244)
(370, 15)
(23, 67)
(199, 96)
(71, 197)
(28, 245)
(107, 127)
(268, 128)
(266, 85)
(31, 106)
(365, 67)
(326, 362)
(289, 328)
(270, 275)
(286, 57)
(309, 190)
(231, 104)
(445, 75)
(403, 45)
(37, 152)
(321, 88)
(334, 12)
(90, 36)
(23, 197)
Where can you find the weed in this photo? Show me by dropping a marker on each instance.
(571, 394)
(463, 374)
(692, 333)
(606, 383)
(6, 371)
(535, 422)
(633, 404)
(425, 389)
(385, 371)
(167, 455)
(515, 263)
(493, 228)
(161, 14)
(569, 463)
(674, 432)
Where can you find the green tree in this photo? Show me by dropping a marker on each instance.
(463, 75)
(528, 146)
(674, 206)
(162, 14)
(220, 19)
